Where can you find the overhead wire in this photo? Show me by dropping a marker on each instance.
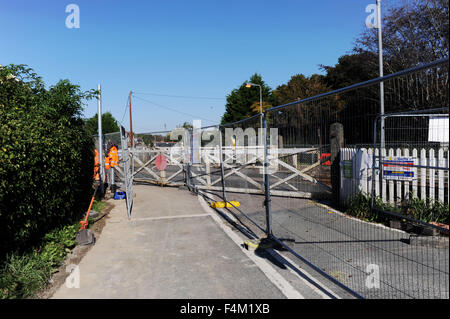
(124, 113)
(172, 109)
(182, 96)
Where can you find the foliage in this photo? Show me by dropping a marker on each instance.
(186, 126)
(24, 274)
(300, 87)
(360, 207)
(428, 211)
(351, 69)
(424, 210)
(109, 124)
(241, 101)
(98, 205)
(46, 156)
(415, 32)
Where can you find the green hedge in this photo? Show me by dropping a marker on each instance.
(46, 156)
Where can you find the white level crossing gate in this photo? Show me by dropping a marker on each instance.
(243, 169)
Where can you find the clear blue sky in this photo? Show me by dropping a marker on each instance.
(176, 47)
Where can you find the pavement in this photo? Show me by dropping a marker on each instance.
(176, 247)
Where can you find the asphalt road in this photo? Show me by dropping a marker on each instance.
(350, 250)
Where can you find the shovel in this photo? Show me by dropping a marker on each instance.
(85, 236)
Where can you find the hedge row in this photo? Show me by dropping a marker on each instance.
(46, 156)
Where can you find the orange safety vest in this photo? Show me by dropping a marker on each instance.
(107, 165)
(114, 157)
(96, 166)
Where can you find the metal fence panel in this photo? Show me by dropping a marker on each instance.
(361, 249)
(308, 174)
(127, 170)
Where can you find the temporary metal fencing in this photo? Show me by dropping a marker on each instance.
(290, 166)
(127, 170)
(360, 249)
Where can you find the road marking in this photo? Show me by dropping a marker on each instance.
(169, 217)
(280, 282)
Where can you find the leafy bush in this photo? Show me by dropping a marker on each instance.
(423, 210)
(46, 157)
(429, 211)
(359, 206)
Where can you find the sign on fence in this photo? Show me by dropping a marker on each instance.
(348, 168)
(399, 168)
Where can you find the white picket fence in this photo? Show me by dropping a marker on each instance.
(426, 182)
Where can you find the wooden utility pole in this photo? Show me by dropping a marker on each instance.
(131, 121)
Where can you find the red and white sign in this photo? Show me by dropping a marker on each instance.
(161, 162)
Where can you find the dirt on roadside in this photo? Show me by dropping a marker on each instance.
(77, 254)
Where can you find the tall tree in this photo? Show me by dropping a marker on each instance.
(303, 123)
(243, 102)
(109, 124)
(300, 87)
(351, 69)
(414, 32)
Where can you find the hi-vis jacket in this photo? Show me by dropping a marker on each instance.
(96, 166)
(112, 159)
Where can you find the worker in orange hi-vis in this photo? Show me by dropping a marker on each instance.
(107, 162)
(114, 156)
(112, 160)
(96, 166)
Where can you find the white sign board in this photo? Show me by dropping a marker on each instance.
(399, 168)
(438, 129)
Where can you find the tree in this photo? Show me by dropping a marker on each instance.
(415, 32)
(300, 123)
(186, 126)
(244, 102)
(351, 69)
(109, 124)
(300, 87)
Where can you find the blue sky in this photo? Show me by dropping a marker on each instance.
(183, 48)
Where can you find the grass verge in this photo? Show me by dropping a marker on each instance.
(23, 275)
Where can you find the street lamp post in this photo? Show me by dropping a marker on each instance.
(247, 85)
